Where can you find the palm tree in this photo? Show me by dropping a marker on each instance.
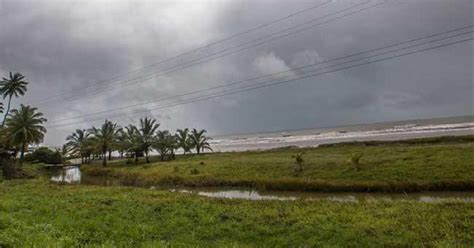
(165, 144)
(13, 86)
(24, 127)
(121, 142)
(147, 130)
(183, 140)
(199, 141)
(1, 107)
(78, 142)
(103, 138)
(133, 142)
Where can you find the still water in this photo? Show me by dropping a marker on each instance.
(72, 175)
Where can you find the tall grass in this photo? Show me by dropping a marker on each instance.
(36, 214)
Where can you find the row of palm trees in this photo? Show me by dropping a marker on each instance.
(23, 127)
(133, 141)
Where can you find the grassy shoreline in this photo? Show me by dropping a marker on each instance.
(35, 212)
(431, 164)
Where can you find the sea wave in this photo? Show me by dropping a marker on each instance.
(287, 137)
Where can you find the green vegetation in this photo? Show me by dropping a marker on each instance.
(355, 160)
(45, 155)
(133, 141)
(400, 167)
(20, 127)
(298, 161)
(34, 213)
(103, 139)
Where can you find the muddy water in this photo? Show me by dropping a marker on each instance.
(72, 175)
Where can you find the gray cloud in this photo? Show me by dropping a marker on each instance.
(68, 45)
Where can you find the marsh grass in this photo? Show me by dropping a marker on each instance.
(34, 213)
(437, 164)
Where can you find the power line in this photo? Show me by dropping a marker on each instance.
(206, 46)
(282, 82)
(287, 71)
(196, 61)
(347, 62)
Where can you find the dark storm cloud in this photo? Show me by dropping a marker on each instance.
(68, 45)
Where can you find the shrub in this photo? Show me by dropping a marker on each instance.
(194, 171)
(355, 160)
(45, 155)
(298, 161)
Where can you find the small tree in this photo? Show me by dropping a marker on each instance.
(183, 140)
(355, 160)
(146, 130)
(104, 137)
(133, 144)
(78, 144)
(200, 141)
(299, 161)
(165, 144)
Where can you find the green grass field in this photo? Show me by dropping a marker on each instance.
(35, 213)
(427, 164)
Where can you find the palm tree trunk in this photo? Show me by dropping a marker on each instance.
(110, 155)
(146, 157)
(104, 159)
(136, 157)
(22, 154)
(8, 110)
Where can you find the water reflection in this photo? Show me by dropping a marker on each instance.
(72, 174)
(68, 174)
(353, 197)
(237, 194)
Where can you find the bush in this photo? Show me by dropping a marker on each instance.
(7, 168)
(45, 155)
(355, 160)
(298, 161)
(194, 171)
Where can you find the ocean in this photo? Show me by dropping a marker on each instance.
(396, 130)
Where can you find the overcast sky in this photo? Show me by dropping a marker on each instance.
(66, 46)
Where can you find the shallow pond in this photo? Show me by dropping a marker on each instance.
(72, 175)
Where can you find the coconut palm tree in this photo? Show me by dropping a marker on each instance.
(133, 142)
(165, 144)
(13, 86)
(78, 142)
(121, 142)
(1, 107)
(183, 140)
(103, 138)
(200, 141)
(63, 152)
(24, 127)
(147, 130)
